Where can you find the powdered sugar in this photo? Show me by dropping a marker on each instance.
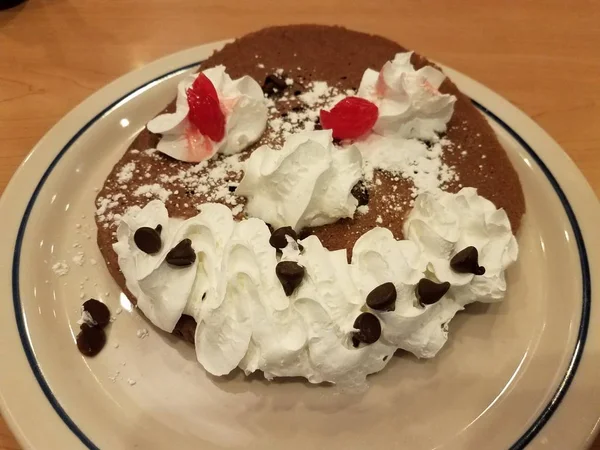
(126, 173)
(410, 159)
(142, 333)
(60, 268)
(303, 108)
(79, 258)
(153, 190)
(363, 209)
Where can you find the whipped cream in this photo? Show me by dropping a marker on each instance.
(245, 319)
(378, 258)
(410, 105)
(306, 183)
(243, 104)
(442, 224)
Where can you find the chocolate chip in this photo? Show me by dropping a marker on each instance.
(90, 340)
(337, 141)
(360, 193)
(429, 292)
(466, 261)
(297, 93)
(369, 328)
(232, 188)
(148, 240)
(273, 85)
(284, 114)
(182, 255)
(99, 312)
(383, 297)
(290, 275)
(278, 238)
(298, 108)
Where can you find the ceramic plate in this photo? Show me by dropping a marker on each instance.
(520, 373)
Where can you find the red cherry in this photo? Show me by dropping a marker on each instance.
(204, 87)
(205, 110)
(350, 118)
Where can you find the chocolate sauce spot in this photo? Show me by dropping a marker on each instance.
(90, 340)
(298, 108)
(99, 312)
(383, 297)
(467, 261)
(369, 329)
(273, 85)
(385, 358)
(147, 240)
(429, 292)
(278, 240)
(290, 275)
(360, 193)
(182, 255)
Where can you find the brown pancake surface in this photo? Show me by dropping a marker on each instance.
(305, 53)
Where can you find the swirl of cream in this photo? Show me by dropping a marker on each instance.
(243, 104)
(306, 183)
(256, 327)
(410, 105)
(165, 292)
(379, 258)
(245, 319)
(442, 224)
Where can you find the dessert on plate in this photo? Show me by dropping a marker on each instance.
(313, 200)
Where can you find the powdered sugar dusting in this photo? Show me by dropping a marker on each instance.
(60, 268)
(303, 107)
(414, 160)
(153, 190)
(126, 173)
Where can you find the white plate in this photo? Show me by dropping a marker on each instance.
(519, 373)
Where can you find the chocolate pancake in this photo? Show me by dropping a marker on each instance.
(303, 54)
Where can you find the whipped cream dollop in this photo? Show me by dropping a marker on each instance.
(242, 103)
(410, 105)
(246, 320)
(306, 183)
(442, 224)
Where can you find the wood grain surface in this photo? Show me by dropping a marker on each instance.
(544, 56)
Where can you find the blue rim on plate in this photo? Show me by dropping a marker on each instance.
(521, 443)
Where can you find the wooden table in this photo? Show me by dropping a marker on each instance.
(543, 55)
